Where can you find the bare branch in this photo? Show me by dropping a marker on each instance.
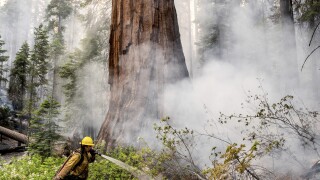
(314, 31)
(309, 56)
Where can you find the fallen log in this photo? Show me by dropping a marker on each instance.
(14, 135)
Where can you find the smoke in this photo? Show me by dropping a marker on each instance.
(18, 19)
(257, 58)
(88, 109)
(90, 34)
(254, 60)
(96, 93)
(2, 2)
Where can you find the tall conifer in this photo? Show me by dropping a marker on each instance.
(18, 78)
(57, 11)
(38, 66)
(44, 128)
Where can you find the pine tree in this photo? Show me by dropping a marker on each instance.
(3, 59)
(38, 66)
(68, 72)
(44, 128)
(57, 11)
(18, 78)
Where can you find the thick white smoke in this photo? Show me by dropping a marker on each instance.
(254, 56)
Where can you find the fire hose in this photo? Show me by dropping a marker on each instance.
(134, 171)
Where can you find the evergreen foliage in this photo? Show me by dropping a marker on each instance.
(18, 78)
(44, 128)
(57, 11)
(56, 46)
(76, 61)
(68, 72)
(310, 11)
(3, 59)
(38, 65)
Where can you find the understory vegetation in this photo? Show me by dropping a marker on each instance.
(268, 132)
(40, 168)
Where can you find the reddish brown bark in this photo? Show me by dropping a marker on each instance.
(145, 56)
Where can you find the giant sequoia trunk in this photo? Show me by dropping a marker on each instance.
(145, 56)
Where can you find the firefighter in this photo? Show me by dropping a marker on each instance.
(76, 167)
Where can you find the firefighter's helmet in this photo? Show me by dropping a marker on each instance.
(87, 141)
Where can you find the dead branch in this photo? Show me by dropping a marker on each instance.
(314, 31)
(309, 56)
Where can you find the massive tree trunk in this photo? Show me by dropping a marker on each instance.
(145, 56)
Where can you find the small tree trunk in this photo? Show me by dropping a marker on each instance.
(289, 60)
(145, 56)
(190, 39)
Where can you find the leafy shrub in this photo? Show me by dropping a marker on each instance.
(37, 167)
(144, 159)
(104, 169)
(30, 168)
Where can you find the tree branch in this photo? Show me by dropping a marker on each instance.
(314, 31)
(309, 56)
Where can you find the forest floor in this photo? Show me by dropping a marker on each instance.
(7, 143)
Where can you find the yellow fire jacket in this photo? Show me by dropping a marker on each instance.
(81, 170)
